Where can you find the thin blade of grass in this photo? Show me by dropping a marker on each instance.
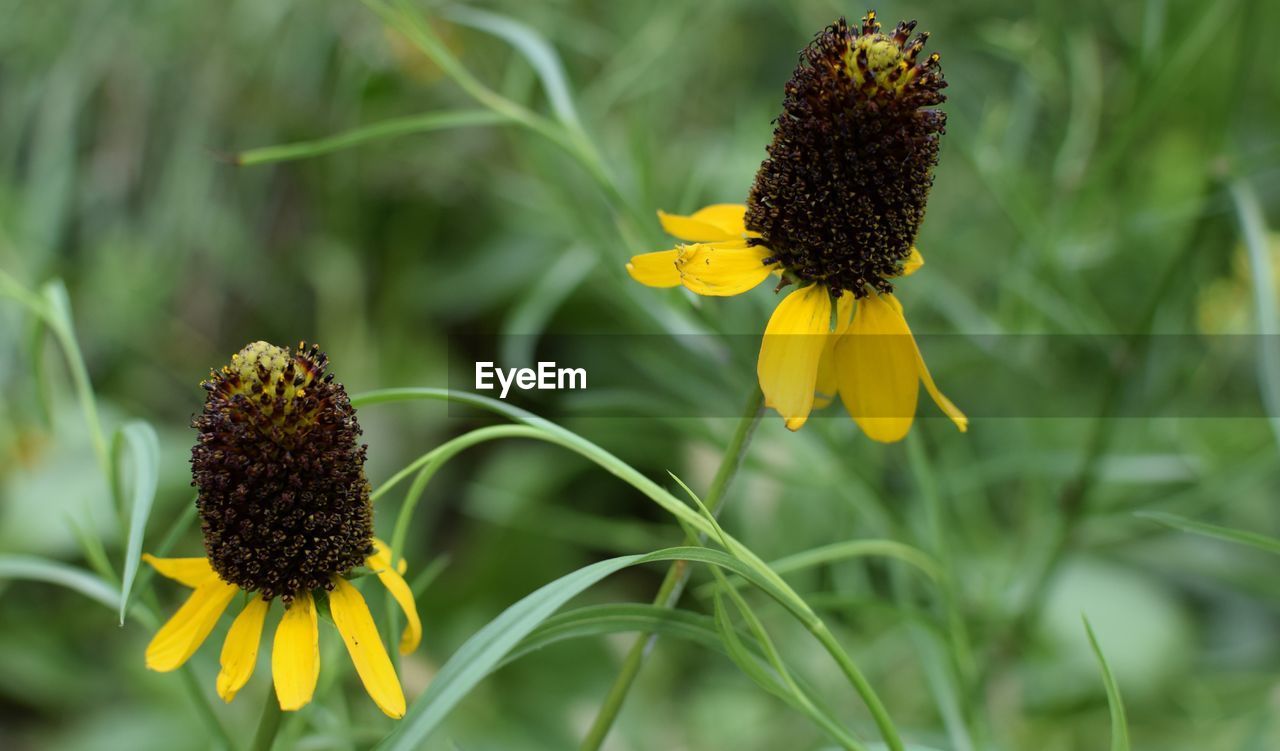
(533, 47)
(58, 309)
(400, 126)
(485, 650)
(1119, 724)
(144, 452)
(600, 620)
(33, 568)
(1252, 539)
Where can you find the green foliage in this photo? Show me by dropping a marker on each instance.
(388, 177)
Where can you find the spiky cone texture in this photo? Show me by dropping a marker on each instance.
(285, 513)
(834, 210)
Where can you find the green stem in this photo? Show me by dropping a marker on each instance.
(203, 708)
(677, 576)
(268, 724)
(546, 430)
(399, 126)
(859, 682)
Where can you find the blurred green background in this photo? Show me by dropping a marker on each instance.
(1103, 167)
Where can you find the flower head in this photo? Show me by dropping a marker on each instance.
(284, 504)
(285, 512)
(834, 209)
(842, 193)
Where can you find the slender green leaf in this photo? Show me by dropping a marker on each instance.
(33, 568)
(139, 438)
(1253, 539)
(534, 47)
(400, 126)
(1119, 725)
(742, 560)
(839, 551)
(702, 509)
(779, 682)
(599, 620)
(747, 662)
(58, 314)
(486, 648)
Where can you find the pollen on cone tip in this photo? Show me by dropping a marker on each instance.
(841, 195)
(283, 500)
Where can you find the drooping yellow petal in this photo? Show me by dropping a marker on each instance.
(655, 269)
(722, 269)
(876, 369)
(351, 616)
(729, 217)
(913, 262)
(944, 404)
(189, 571)
(939, 399)
(791, 350)
(295, 654)
(183, 634)
(390, 577)
(240, 650)
(827, 384)
(696, 229)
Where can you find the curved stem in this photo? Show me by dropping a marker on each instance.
(674, 582)
(546, 430)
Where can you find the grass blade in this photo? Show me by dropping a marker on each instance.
(600, 620)
(1119, 725)
(1252, 539)
(144, 452)
(487, 647)
(32, 568)
(58, 309)
(400, 126)
(533, 47)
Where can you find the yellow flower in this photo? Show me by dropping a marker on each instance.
(285, 512)
(834, 210)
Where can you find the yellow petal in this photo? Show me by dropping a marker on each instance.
(877, 372)
(722, 269)
(183, 634)
(295, 654)
(696, 229)
(189, 571)
(729, 217)
(352, 618)
(944, 404)
(790, 352)
(939, 399)
(655, 269)
(380, 562)
(827, 386)
(913, 262)
(240, 650)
